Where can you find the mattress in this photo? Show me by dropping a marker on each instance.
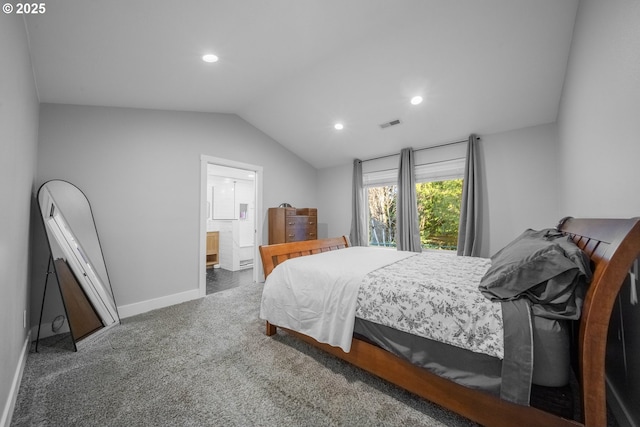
(551, 367)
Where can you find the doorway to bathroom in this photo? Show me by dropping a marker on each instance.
(231, 200)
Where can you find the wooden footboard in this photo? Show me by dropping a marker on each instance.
(611, 244)
(272, 255)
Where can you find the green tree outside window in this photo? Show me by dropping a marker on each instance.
(438, 212)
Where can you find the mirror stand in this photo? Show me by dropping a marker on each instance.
(44, 295)
(81, 317)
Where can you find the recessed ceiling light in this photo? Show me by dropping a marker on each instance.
(338, 126)
(210, 58)
(416, 100)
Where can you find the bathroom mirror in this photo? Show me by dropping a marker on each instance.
(77, 260)
(223, 198)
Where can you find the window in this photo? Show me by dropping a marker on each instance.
(439, 213)
(438, 196)
(382, 215)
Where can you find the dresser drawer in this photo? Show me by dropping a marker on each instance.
(300, 228)
(301, 212)
(297, 235)
(300, 221)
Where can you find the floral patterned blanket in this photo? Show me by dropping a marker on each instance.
(435, 295)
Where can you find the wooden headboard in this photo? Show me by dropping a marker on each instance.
(272, 255)
(612, 245)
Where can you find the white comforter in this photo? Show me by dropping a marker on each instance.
(317, 295)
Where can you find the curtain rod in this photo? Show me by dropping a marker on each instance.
(419, 149)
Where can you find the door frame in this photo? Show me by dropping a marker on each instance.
(206, 160)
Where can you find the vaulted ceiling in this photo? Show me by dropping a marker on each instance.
(294, 68)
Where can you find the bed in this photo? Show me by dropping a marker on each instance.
(609, 246)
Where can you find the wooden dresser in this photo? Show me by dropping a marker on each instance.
(292, 224)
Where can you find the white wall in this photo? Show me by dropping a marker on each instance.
(519, 183)
(18, 142)
(140, 170)
(599, 120)
(334, 200)
(521, 187)
(599, 138)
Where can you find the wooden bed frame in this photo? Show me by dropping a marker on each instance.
(611, 244)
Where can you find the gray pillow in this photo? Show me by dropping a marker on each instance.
(543, 266)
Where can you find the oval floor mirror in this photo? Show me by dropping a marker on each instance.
(77, 260)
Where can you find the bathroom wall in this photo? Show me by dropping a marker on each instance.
(231, 204)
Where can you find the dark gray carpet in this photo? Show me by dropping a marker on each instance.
(207, 363)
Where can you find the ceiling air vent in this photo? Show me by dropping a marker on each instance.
(391, 123)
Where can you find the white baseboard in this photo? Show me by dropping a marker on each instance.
(9, 406)
(142, 307)
(125, 311)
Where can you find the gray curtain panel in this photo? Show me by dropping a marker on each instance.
(359, 230)
(408, 234)
(469, 228)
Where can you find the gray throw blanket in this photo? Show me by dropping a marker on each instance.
(541, 273)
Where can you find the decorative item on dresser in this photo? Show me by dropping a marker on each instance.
(289, 224)
(213, 244)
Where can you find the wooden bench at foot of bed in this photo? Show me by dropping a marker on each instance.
(611, 244)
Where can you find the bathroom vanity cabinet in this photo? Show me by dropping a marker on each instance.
(213, 248)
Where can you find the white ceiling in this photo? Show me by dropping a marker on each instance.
(293, 68)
